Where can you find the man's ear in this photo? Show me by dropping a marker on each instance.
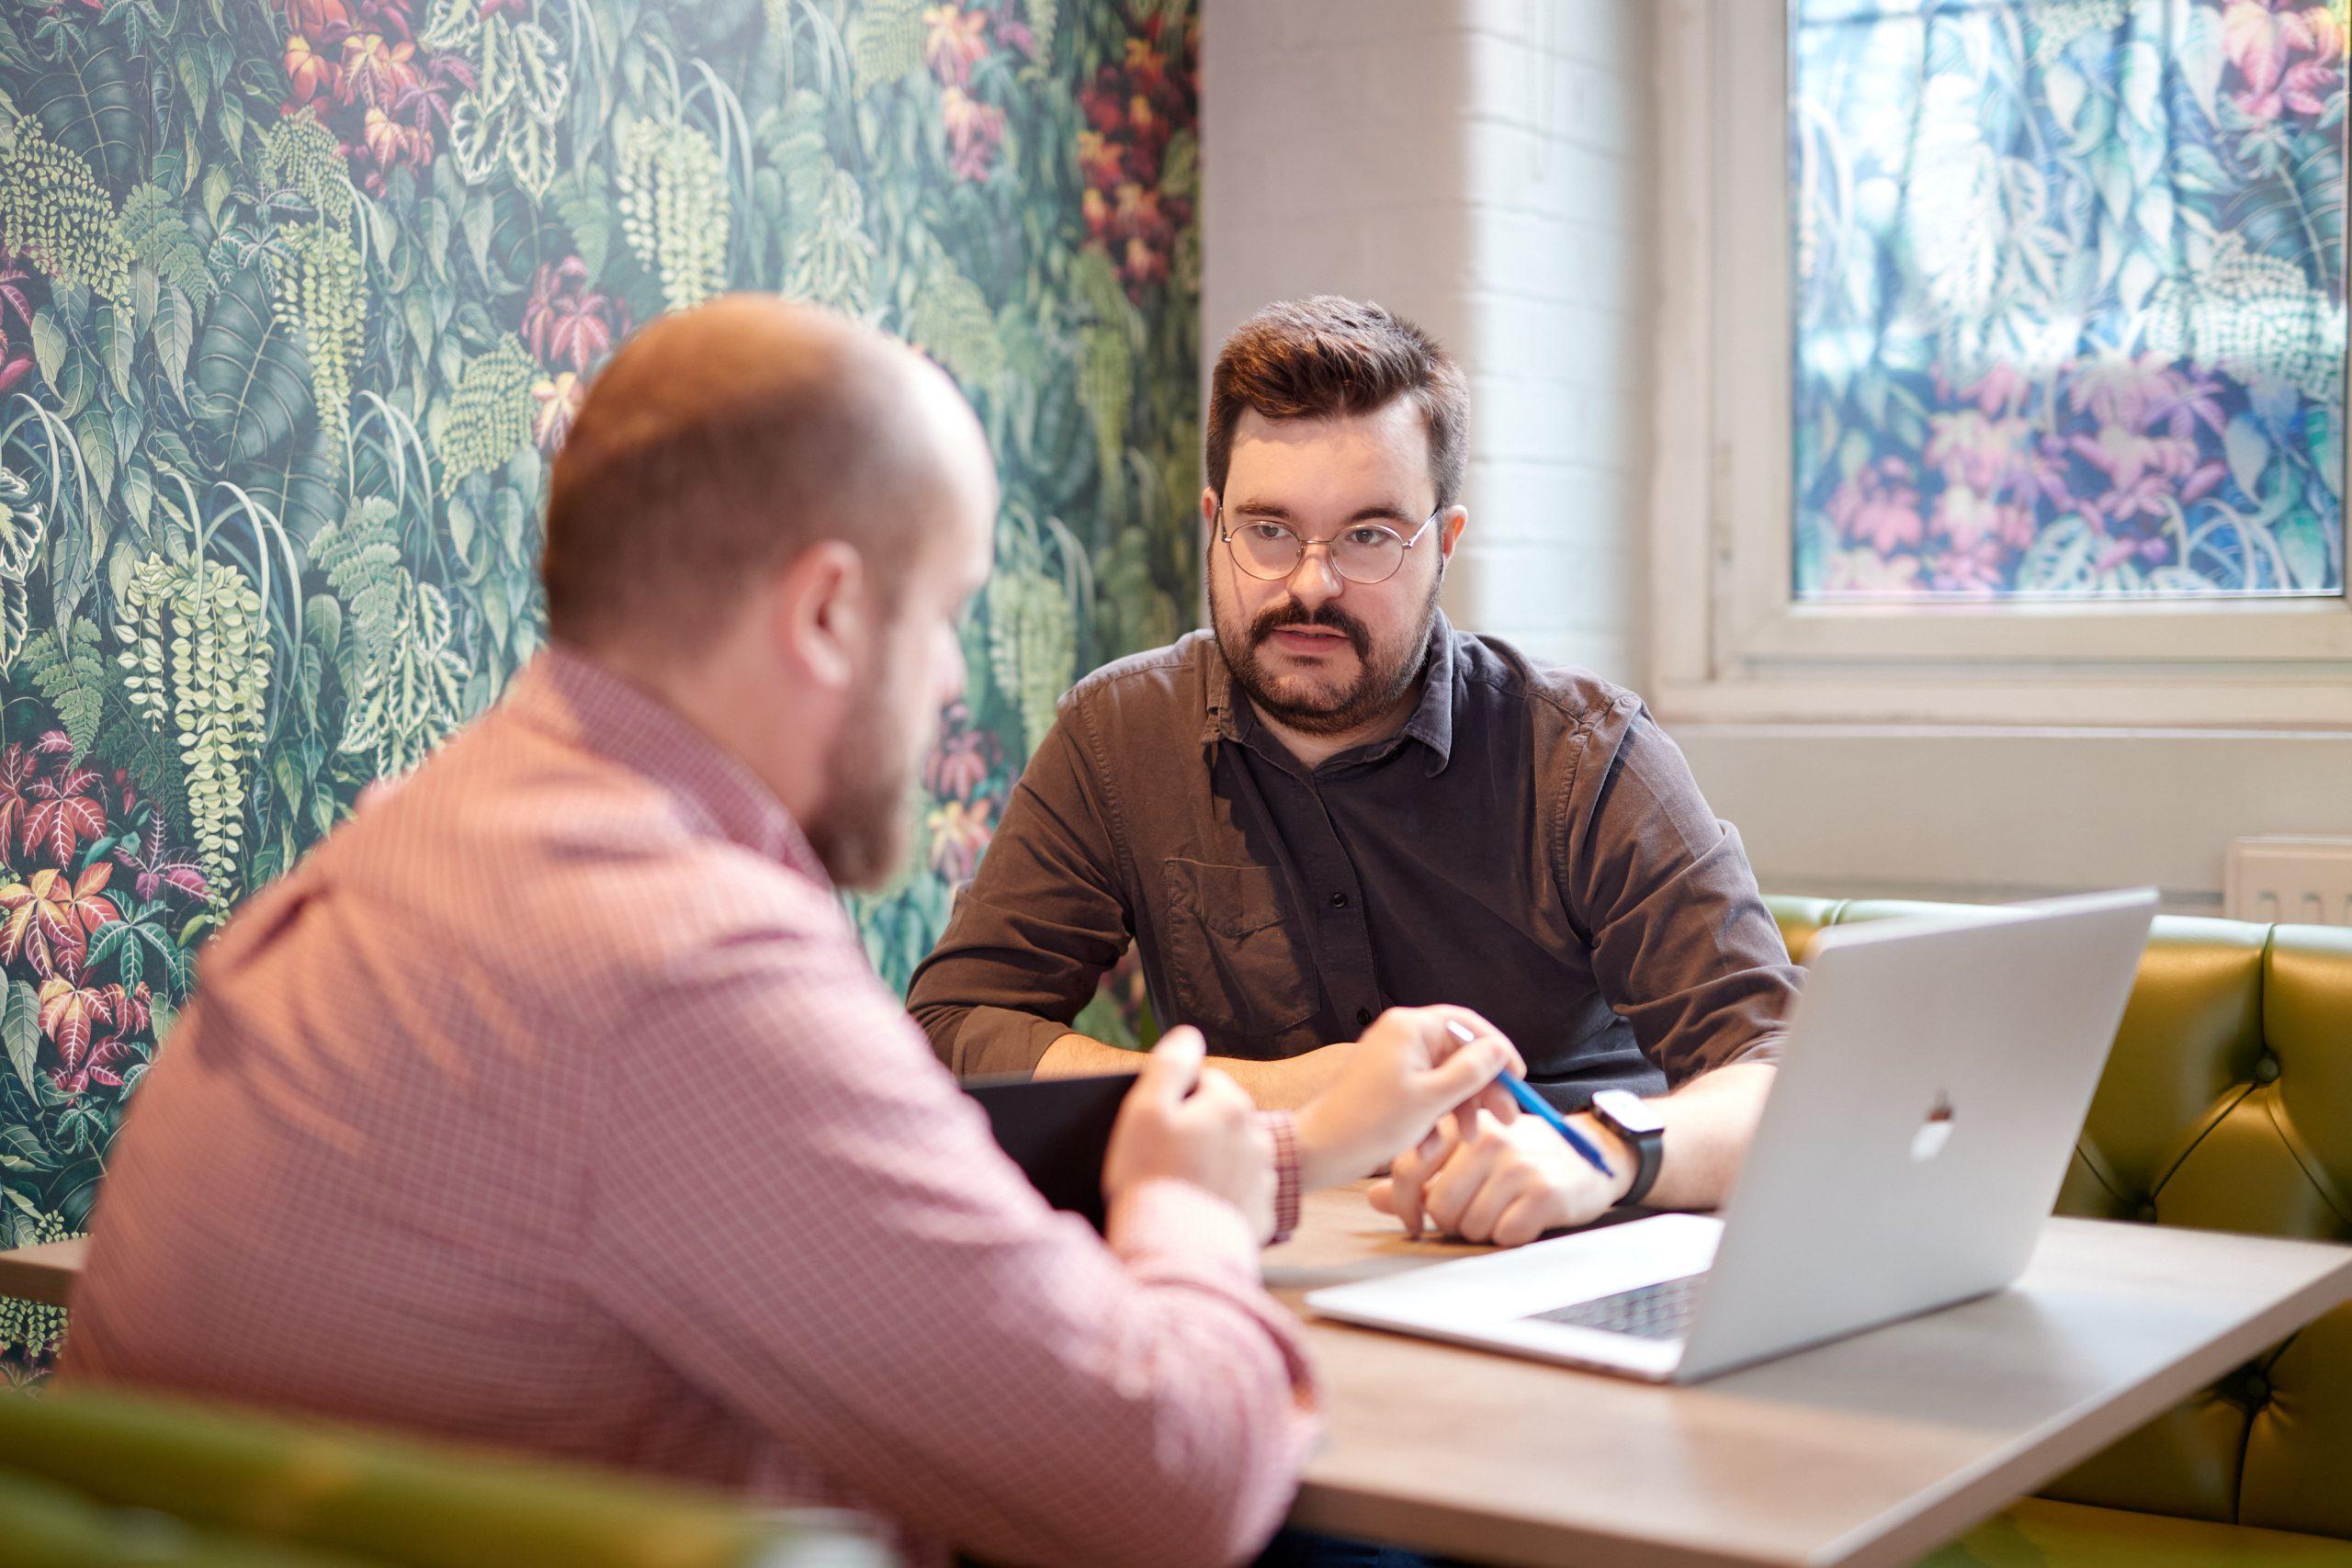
(821, 614)
(1448, 528)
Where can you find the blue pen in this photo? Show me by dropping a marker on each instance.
(1536, 1105)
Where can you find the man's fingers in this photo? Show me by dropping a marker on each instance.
(1497, 1101)
(1528, 1217)
(1463, 1075)
(1404, 1185)
(1467, 1169)
(1505, 1186)
(1382, 1197)
(1173, 1067)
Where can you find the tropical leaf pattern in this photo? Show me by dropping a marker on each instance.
(2070, 308)
(298, 298)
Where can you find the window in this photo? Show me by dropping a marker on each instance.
(2003, 372)
(2069, 299)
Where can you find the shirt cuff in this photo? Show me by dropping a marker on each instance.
(1284, 1126)
(1167, 1215)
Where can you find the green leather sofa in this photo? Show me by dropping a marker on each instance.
(2227, 1105)
(92, 1480)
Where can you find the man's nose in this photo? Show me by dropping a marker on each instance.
(1315, 581)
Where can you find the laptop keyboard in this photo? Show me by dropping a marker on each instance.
(1653, 1312)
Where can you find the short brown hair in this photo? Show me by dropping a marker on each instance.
(713, 448)
(1326, 356)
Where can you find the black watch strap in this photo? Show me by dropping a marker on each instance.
(1648, 1142)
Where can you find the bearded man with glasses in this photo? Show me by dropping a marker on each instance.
(1332, 803)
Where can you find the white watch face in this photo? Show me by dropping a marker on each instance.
(1630, 1112)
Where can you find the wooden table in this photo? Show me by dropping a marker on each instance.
(43, 1273)
(1875, 1449)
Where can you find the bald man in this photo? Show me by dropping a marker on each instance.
(550, 1103)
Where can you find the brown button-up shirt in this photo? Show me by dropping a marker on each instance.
(1529, 845)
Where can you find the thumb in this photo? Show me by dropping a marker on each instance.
(1173, 1067)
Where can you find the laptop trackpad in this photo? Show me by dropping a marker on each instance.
(1504, 1286)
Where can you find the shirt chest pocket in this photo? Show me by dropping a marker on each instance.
(1235, 958)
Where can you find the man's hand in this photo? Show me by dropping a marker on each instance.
(1482, 1180)
(1213, 1139)
(1393, 1085)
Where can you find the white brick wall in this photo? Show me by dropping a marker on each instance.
(1477, 165)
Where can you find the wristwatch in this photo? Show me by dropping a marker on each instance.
(1632, 1120)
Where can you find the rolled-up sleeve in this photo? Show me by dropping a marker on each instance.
(1032, 935)
(1683, 946)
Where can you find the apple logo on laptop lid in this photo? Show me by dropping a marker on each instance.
(1934, 1132)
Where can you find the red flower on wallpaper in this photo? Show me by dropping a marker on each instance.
(960, 831)
(318, 19)
(65, 813)
(15, 348)
(311, 76)
(71, 1015)
(18, 767)
(1133, 110)
(955, 40)
(565, 322)
(964, 757)
(557, 398)
(975, 132)
(51, 917)
(376, 69)
(154, 867)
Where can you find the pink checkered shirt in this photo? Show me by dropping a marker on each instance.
(551, 1104)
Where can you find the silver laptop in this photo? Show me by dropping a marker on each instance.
(1935, 1075)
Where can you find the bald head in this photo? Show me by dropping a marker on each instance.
(719, 444)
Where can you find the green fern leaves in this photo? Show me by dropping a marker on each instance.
(490, 412)
(54, 213)
(674, 209)
(196, 662)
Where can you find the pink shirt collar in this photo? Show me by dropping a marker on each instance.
(565, 692)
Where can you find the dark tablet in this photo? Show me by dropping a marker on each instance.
(1056, 1130)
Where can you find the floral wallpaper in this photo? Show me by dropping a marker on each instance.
(298, 297)
(2070, 310)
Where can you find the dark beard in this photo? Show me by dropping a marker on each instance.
(1375, 691)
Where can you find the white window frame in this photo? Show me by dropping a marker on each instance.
(1729, 643)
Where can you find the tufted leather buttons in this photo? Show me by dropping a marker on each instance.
(2255, 1390)
(2265, 1068)
(2146, 1215)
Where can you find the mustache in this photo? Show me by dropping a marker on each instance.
(1290, 613)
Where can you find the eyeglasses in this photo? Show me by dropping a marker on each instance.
(1269, 551)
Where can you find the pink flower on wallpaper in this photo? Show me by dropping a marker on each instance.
(2288, 55)
(960, 831)
(953, 41)
(557, 400)
(1880, 506)
(16, 349)
(975, 132)
(964, 757)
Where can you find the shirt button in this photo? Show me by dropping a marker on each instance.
(1364, 1016)
(1339, 900)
